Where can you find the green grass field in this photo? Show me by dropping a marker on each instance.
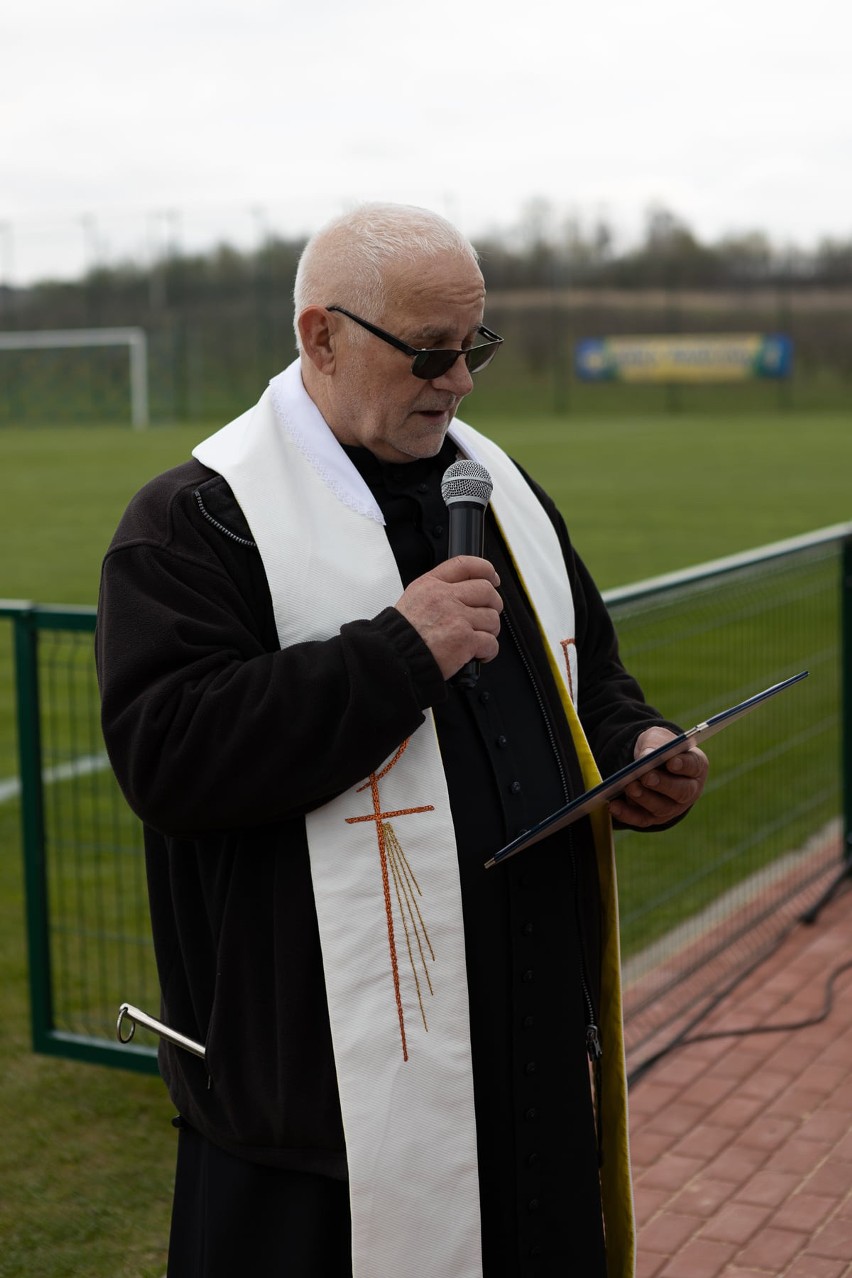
(87, 1154)
(640, 496)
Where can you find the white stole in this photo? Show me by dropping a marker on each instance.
(383, 855)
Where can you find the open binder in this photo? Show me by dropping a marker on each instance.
(616, 783)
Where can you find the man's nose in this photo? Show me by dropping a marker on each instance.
(456, 379)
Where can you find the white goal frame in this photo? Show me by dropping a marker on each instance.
(135, 339)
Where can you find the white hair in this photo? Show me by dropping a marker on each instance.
(345, 263)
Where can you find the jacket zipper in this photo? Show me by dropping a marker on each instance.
(593, 1038)
(241, 541)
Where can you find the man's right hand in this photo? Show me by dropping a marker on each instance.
(456, 609)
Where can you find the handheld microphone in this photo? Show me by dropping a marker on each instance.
(466, 489)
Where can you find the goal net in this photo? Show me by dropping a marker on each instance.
(26, 377)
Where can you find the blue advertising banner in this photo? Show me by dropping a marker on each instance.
(712, 357)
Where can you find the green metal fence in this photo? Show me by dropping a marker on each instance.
(699, 903)
(88, 933)
(702, 902)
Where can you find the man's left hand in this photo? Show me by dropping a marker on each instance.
(666, 792)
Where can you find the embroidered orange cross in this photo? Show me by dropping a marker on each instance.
(394, 864)
(566, 644)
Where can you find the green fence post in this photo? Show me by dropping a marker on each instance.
(846, 695)
(32, 826)
(845, 640)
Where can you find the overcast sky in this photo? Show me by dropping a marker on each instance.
(126, 125)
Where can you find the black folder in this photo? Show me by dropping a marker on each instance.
(616, 783)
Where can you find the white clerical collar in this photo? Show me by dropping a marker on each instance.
(299, 416)
(303, 422)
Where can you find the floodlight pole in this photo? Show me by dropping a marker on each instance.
(139, 380)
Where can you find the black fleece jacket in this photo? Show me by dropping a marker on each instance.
(222, 742)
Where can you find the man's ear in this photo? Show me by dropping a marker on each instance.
(318, 331)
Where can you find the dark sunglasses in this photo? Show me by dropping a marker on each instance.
(429, 364)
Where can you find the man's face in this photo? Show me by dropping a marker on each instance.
(376, 399)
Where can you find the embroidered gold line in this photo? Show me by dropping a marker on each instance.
(401, 866)
(415, 907)
(394, 868)
(410, 872)
(383, 861)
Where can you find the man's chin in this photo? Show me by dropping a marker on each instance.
(428, 445)
(427, 439)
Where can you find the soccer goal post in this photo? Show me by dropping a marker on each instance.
(135, 339)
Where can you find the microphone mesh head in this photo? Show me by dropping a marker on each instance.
(466, 481)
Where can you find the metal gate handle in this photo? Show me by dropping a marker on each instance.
(135, 1017)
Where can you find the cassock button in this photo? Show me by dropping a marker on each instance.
(528, 929)
(484, 696)
(515, 787)
(527, 976)
(529, 1115)
(438, 530)
(529, 1068)
(536, 1250)
(533, 1204)
(502, 742)
(422, 487)
(528, 1022)
(532, 1159)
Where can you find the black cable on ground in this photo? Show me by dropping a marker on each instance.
(684, 1038)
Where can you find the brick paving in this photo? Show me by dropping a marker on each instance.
(742, 1146)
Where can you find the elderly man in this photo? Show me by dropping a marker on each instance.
(413, 1064)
